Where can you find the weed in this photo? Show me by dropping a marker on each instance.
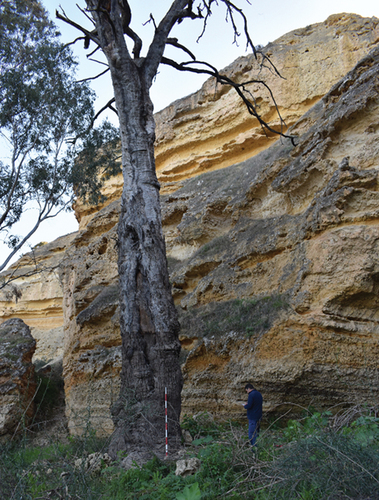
(250, 317)
(214, 246)
(201, 426)
(311, 458)
(190, 493)
(365, 430)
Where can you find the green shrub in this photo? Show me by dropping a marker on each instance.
(323, 466)
(201, 425)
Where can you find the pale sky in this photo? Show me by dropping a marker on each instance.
(267, 22)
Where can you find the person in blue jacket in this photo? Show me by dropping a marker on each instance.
(254, 411)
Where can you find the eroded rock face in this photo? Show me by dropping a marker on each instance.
(273, 264)
(211, 129)
(17, 382)
(35, 296)
(298, 225)
(92, 360)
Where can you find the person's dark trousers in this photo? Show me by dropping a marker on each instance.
(253, 431)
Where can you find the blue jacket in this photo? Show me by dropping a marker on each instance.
(254, 405)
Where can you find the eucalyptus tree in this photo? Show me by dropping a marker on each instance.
(149, 323)
(45, 117)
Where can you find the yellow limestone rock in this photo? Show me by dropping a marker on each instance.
(253, 282)
(283, 290)
(35, 296)
(17, 381)
(211, 129)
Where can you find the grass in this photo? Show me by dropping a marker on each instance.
(250, 317)
(221, 243)
(317, 457)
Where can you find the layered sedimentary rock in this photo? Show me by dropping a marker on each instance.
(189, 143)
(17, 382)
(92, 360)
(211, 129)
(273, 261)
(298, 226)
(35, 295)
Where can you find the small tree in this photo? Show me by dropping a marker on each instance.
(43, 114)
(149, 324)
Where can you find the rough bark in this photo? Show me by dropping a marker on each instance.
(148, 318)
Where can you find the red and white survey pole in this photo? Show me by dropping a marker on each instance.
(166, 426)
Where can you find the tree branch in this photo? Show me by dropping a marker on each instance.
(87, 16)
(238, 87)
(174, 42)
(41, 217)
(65, 19)
(179, 10)
(94, 77)
(108, 105)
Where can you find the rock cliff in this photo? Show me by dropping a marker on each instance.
(292, 233)
(17, 381)
(35, 295)
(272, 248)
(211, 129)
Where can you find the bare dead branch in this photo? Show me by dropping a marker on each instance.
(126, 16)
(93, 52)
(174, 42)
(66, 20)
(207, 7)
(94, 77)
(97, 61)
(108, 105)
(230, 8)
(74, 41)
(179, 10)
(150, 20)
(270, 66)
(240, 88)
(85, 13)
(137, 41)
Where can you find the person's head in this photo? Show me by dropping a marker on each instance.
(249, 388)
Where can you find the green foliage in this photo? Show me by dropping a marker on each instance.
(201, 426)
(204, 440)
(321, 466)
(190, 493)
(46, 120)
(94, 161)
(307, 459)
(365, 430)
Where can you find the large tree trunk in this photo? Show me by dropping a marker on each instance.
(149, 325)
